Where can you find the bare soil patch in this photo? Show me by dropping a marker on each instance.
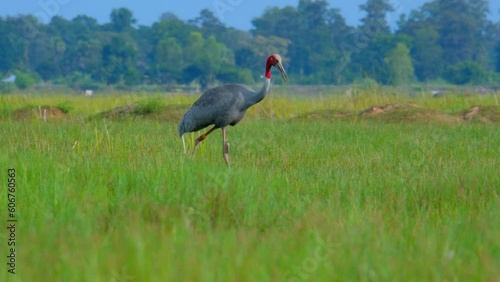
(488, 114)
(325, 115)
(39, 112)
(410, 113)
(169, 113)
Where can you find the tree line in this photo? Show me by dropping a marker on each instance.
(444, 40)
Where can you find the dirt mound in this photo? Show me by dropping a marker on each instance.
(39, 112)
(170, 113)
(408, 112)
(375, 110)
(324, 115)
(121, 112)
(487, 114)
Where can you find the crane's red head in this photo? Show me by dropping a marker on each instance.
(275, 61)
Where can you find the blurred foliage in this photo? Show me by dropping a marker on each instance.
(65, 106)
(6, 87)
(443, 39)
(25, 80)
(150, 105)
(467, 72)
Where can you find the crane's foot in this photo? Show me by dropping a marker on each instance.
(225, 152)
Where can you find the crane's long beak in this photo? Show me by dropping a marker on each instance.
(279, 66)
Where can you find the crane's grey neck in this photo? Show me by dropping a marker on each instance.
(256, 97)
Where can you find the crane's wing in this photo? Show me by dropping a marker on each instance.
(222, 105)
(223, 95)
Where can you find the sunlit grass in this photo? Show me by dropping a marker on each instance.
(303, 200)
(285, 103)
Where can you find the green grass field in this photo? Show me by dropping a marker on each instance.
(318, 199)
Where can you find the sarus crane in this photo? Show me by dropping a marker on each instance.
(225, 105)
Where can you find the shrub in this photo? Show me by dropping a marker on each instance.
(467, 72)
(366, 83)
(6, 87)
(81, 81)
(25, 80)
(65, 106)
(150, 106)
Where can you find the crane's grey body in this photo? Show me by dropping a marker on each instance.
(221, 106)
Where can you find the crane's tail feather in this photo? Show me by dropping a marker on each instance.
(183, 143)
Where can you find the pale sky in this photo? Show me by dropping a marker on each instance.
(234, 13)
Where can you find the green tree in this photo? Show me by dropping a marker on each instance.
(192, 53)
(278, 22)
(366, 48)
(84, 25)
(171, 26)
(85, 56)
(370, 61)
(461, 26)
(427, 54)
(119, 58)
(313, 39)
(47, 55)
(233, 74)
(169, 60)
(214, 55)
(9, 56)
(497, 57)
(122, 19)
(205, 57)
(48, 70)
(193, 50)
(18, 35)
(313, 32)
(375, 23)
(25, 80)
(467, 72)
(400, 67)
(80, 81)
(209, 23)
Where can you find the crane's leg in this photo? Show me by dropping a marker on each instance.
(225, 146)
(202, 137)
(183, 143)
